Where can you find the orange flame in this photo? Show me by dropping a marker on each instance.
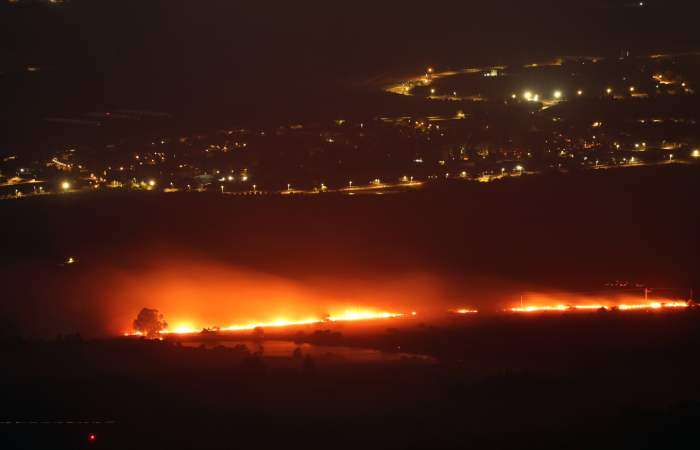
(350, 315)
(621, 307)
(464, 311)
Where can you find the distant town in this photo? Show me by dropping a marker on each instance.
(475, 125)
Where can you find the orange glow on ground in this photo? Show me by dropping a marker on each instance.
(350, 315)
(465, 311)
(621, 307)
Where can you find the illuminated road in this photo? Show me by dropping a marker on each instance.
(352, 189)
(406, 86)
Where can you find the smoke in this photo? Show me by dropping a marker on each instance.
(103, 298)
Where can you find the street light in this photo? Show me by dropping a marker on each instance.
(65, 185)
(557, 94)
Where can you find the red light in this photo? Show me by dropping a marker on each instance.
(92, 437)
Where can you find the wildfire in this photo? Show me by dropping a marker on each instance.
(465, 311)
(349, 315)
(655, 305)
(622, 307)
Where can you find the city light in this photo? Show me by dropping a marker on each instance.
(152, 183)
(579, 92)
(557, 94)
(527, 95)
(65, 185)
(695, 154)
(608, 91)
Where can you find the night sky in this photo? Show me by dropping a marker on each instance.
(243, 58)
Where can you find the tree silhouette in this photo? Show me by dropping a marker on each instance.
(150, 322)
(258, 334)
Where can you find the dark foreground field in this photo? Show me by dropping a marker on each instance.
(602, 380)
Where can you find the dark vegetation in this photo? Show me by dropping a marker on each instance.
(605, 381)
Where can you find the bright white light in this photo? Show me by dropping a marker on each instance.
(65, 185)
(557, 94)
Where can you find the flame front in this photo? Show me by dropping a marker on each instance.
(595, 307)
(350, 315)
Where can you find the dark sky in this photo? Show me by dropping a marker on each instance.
(220, 53)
